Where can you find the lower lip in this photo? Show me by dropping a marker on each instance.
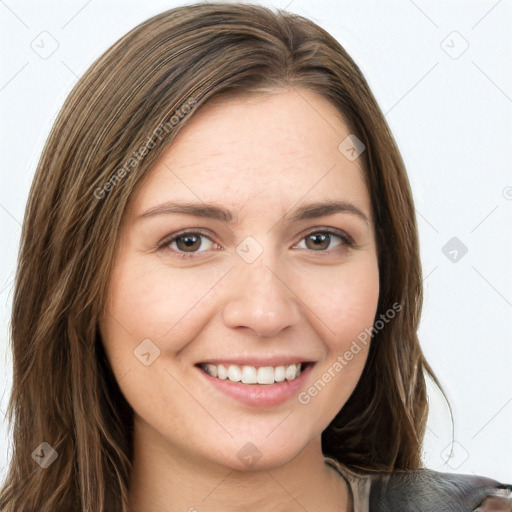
(260, 395)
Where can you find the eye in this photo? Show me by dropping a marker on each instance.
(186, 243)
(323, 240)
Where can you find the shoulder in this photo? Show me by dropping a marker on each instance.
(425, 490)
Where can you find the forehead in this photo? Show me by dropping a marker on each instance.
(258, 149)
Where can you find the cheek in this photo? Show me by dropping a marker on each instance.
(157, 303)
(354, 304)
(344, 299)
(345, 302)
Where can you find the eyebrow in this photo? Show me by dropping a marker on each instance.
(213, 211)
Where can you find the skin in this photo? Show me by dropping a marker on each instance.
(260, 156)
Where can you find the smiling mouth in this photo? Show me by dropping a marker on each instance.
(254, 374)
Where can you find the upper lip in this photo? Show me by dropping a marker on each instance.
(257, 360)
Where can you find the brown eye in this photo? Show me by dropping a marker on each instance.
(187, 243)
(321, 241)
(318, 241)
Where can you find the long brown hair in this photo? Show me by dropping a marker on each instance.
(125, 110)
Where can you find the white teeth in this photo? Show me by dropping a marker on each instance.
(234, 373)
(249, 375)
(212, 370)
(290, 372)
(279, 373)
(222, 373)
(266, 375)
(252, 375)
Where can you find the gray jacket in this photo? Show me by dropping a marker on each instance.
(424, 490)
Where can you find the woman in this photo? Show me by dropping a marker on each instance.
(231, 286)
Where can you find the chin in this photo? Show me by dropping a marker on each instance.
(262, 453)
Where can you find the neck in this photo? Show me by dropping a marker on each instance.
(165, 480)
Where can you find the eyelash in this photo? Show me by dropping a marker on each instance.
(164, 245)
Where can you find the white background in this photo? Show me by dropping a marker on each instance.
(451, 113)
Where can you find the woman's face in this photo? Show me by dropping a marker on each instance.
(250, 248)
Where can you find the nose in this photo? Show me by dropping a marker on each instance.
(261, 300)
